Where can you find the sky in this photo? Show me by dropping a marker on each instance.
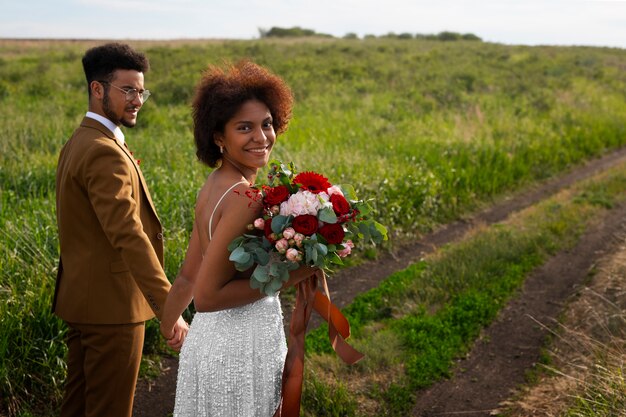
(527, 22)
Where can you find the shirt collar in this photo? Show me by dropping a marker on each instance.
(117, 132)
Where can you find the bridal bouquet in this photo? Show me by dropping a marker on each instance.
(306, 220)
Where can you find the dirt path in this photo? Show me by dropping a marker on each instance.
(156, 398)
(512, 344)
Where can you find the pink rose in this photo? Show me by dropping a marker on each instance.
(259, 223)
(282, 245)
(289, 233)
(293, 255)
(298, 238)
(346, 250)
(334, 190)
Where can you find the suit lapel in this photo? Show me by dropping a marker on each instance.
(144, 185)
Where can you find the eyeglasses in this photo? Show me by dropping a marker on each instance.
(131, 93)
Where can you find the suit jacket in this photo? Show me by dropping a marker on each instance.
(111, 266)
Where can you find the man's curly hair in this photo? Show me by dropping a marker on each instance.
(220, 94)
(100, 62)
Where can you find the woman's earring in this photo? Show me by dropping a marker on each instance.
(221, 149)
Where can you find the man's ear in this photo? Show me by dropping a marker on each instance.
(97, 89)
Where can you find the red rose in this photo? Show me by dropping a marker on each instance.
(340, 204)
(333, 233)
(305, 224)
(276, 195)
(268, 230)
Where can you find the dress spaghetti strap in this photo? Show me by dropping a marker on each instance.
(217, 205)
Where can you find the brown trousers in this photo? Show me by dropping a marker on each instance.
(102, 368)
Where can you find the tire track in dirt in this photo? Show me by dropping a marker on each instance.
(156, 398)
(511, 346)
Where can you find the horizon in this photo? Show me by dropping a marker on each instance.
(600, 23)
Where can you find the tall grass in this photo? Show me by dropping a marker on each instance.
(428, 129)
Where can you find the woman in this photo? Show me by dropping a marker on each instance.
(232, 360)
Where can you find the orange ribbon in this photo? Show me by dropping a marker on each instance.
(308, 297)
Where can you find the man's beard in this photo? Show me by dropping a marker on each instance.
(108, 112)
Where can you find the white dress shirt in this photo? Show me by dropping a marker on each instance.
(117, 132)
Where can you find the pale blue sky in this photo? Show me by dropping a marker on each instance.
(530, 22)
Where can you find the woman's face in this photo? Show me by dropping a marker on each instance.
(249, 135)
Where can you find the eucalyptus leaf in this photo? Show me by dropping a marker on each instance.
(308, 253)
(279, 223)
(252, 245)
(274, 270)
(261, 273)
(261, 256)
(327, 215)
(284, 274)
(255, 283)
(272, 287)
(236, 242)
(244, 266)
(239, 256)
(321, 249)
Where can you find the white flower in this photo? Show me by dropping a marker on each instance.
(302, 202)
(324, 199)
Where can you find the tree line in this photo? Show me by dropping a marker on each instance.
(298, 32)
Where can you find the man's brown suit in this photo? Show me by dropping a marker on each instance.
(111, 277)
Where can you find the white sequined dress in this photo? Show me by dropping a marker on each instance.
(232, 361)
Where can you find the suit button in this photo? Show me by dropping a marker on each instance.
(160, 236)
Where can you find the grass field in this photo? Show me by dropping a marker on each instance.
(429, 129)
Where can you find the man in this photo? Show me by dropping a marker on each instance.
(111, 277)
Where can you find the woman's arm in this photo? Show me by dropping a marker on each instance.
(181, 293)
(216, 287)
